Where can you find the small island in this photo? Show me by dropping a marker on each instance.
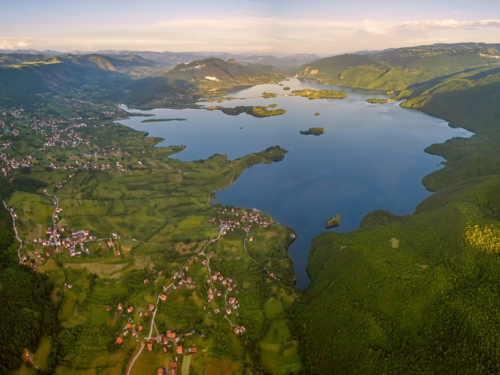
(313, 131)
(267, 95)
(163, 119)
(320, 94)
(286, 88)
(255, 111)
(333, 222)
(380, 101)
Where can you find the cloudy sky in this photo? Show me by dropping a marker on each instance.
(324, 27)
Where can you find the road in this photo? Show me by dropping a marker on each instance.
(54, 224)
(132, 362)
(15, 231)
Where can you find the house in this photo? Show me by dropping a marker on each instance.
(159, 371)
(120, 307)
(165, 350)
(228, 310)
(163, 297)
(151, 307)
(179, 350)
(173, 364)
(193, 350)
(130, 309)
(149, 346)
(119, 341)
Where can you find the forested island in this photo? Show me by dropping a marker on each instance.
(313, 131)
(319, 94)
(255, 111)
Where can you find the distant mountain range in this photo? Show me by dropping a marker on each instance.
(174, 58)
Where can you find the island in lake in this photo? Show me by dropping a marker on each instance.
(313, 131)
(163, 119)
(320, 94)
(334, 221)
(267, 95)
(255, 111)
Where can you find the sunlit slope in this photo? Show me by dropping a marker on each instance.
(419, 294)
(396, 69)
(213, 70)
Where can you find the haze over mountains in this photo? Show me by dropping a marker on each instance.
(174, 58)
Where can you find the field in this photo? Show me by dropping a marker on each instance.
(144, 220)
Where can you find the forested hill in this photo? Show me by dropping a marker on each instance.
(25, 300)
(183, 83)
(396, 69)
(420, 293)
(214, 70)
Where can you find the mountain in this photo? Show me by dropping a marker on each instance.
(182, 83)
(396, 69)
(213, 70)
(24, 75)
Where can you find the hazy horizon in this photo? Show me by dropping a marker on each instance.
(242, 26)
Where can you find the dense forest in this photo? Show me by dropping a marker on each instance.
(25, 299)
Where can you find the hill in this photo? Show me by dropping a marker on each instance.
(427, 301)
(396, 69)
(183, 84)
(212, 71)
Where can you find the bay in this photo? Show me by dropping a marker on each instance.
(370, 157)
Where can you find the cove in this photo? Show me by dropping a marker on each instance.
(370, 157)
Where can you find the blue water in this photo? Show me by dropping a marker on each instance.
(370, 157)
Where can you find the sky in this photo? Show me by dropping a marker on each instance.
(279, 27)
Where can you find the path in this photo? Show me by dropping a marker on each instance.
(54, 224)
(131, 365)
(15, 230)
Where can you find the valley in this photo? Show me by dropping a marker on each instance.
(137, 255)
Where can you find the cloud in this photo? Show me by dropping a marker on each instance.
(10, 44)
(264, 34)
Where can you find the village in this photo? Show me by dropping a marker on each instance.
(138, 322)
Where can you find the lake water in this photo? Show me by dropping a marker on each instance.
(370, 157)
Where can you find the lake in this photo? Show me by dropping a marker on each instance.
(370, 157)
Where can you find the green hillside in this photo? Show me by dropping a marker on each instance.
(215, 71)
(419, 294)
(398, 68)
